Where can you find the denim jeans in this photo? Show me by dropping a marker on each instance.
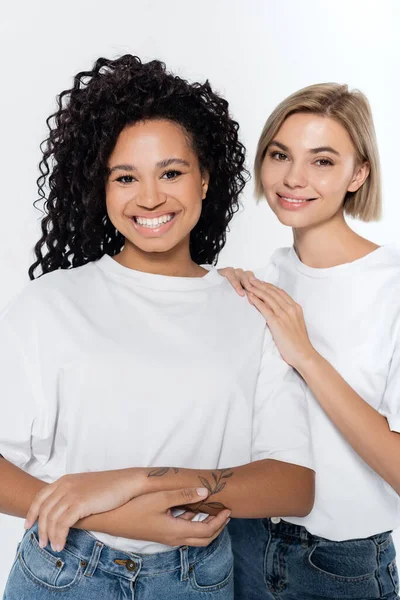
(89, 570)
(284, 562)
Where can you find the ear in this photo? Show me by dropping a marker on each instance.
(361, 173)
(205, 180)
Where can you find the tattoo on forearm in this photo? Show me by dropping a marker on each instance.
(160, 471)
(215, 485)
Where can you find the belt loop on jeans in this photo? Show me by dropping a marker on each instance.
(94, 559)
(304, 537)
(184, 550)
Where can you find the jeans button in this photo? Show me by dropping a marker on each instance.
(275, 520)
(130, 565)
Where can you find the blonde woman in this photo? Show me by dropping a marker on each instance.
(334, 313)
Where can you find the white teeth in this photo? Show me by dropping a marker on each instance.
(153, 223)
(293, 200)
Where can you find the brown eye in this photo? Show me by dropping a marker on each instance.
(171, 174)
(125, 179)
(324, 162)
(279, 156)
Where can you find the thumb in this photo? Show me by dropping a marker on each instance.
(186, 496)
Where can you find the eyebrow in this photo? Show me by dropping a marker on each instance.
(312, 150)
(162, 164)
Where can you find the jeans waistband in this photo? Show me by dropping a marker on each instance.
(98, 555)
(290, 529)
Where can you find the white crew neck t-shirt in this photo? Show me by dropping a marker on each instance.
(352, 313)
(103, 367)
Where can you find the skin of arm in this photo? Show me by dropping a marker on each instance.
(259, 489)
(145, 518)
(361, 425)
(255, 490)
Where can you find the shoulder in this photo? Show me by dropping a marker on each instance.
(33, 301)
(270, 272)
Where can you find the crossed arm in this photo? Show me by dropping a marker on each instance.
(118, 502)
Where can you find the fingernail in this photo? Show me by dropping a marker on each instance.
(227, 521)
(42, 544)
(202, 492)
(26, 524)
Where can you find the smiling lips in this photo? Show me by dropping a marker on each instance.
(156, 225)
(293, 202)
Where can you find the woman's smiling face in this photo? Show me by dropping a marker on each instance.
(155, 186)
(308, 168)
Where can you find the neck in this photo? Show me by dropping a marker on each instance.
(176, 262)
(330, 243)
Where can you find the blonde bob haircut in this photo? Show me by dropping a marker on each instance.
(352, 110)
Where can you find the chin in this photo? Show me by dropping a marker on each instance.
(291, 220)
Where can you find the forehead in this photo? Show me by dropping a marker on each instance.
(155, 137)
(307, 130)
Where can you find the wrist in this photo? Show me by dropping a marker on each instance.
(138, 481)
(308, 362)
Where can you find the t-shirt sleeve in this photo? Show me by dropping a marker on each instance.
(281, 429)
(390, 405)
(269, 273)
(18, 399)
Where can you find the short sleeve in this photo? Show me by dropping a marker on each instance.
(281, 429)
(390, 405)
(18, 405)
(269, 273)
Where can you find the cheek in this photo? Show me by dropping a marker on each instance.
(330, 184)
(271, 174)
(116, 200)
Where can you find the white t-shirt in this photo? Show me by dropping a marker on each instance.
(352, 313)
(103, 367)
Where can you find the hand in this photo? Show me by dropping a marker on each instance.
(238, 278)
(61, 504)
(149, 517)
(285, 320)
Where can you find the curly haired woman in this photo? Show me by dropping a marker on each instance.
(127, 355)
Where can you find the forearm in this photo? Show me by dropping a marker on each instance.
(17, 490)
(361, 425)
(260, 489)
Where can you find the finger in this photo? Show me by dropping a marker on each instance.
(233, 278)
(66, 521)
(182, 497)
(262, 307)
(210, 528)
(55, 518)
(264, 291)
(201, 529)
(280, 295)
(33, 512)
(245, 278)
(47, 507)
(188, 515)
(209, 518)
(206, 541)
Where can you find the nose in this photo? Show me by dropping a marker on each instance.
(295, 175)
(150, 197)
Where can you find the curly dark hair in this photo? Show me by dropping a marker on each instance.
(83, 132)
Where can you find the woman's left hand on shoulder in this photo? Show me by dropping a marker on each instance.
(285, 320)
(59, 505)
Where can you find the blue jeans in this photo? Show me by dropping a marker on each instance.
(89, 570)
(284, 562)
